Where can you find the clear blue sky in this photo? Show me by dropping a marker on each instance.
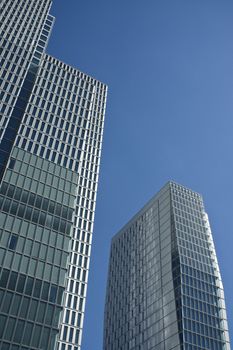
(169, 68)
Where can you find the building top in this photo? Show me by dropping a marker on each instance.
(67, 67)
(169, 185)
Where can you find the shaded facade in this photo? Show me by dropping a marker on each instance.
(164, 287)
(52, 118)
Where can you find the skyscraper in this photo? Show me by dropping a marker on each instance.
(52, 118)
(164, 286)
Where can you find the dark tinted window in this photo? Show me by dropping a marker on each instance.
(53, 294)
(13, 242)
(11, 163)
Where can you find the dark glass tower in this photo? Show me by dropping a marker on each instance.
(164, 286)
(51, 129)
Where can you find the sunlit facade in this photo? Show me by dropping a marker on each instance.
(52, 118)
(164, 287)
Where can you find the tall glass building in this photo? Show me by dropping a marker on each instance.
(51, 128)
(164, 286)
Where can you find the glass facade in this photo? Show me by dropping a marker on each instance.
(164, 287)
(21, 29)
(51, 129)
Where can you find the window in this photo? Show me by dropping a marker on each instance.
(13, 242)
(65, 332)
(45, 291)
(53, 294)
(11, 163)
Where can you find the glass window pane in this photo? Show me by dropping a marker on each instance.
(4, 278)
(7, 302)
(37, 288)
(27, 334)
(16, 304)
(2, 324)
(24, 307)
(12, 281)
(32, 310)
(36, 336)
(21, 283)
(29, 286)
(13, 242)
(10, 328)
(19, 331)
(45, 291)
(53, 294)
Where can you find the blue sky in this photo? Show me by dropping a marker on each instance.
(169, 68)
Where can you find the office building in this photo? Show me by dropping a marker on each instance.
(164, 287)
(51, 129)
